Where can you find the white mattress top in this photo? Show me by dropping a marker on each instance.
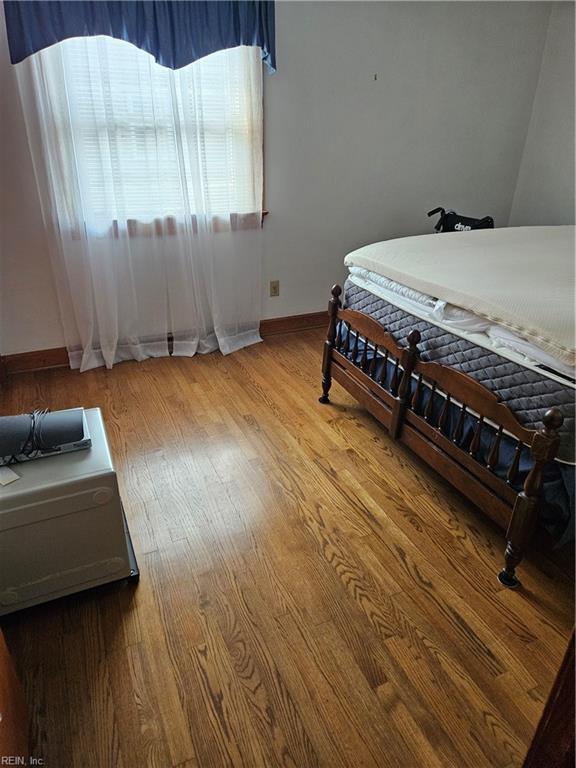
(519, 277)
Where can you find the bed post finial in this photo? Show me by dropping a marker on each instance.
(552, 421)
(523, 521)
(333, 306)
(414, 338)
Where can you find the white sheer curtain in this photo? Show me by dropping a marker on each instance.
(151, 183)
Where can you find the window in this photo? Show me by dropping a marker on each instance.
(150, 142)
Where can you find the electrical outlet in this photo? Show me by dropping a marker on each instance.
(274, 287)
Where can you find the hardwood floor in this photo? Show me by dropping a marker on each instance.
(310, 593)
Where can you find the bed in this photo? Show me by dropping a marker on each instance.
(462, 346)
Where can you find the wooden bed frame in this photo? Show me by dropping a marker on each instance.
(396, 405)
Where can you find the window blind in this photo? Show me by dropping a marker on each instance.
(151, 142)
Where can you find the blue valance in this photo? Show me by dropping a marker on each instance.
(175, 33)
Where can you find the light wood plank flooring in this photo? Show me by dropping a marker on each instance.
(311, 594)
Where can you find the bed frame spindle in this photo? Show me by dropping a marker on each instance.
(444, 415)
(428, 411)
(355, 350)
(364, 360)
(475, 444)
(382, 376)
(495, 451)
(373, 363)
(512, 475)
(459, 428)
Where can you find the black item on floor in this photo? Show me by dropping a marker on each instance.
(450, 221)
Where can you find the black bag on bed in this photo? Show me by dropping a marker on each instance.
(450, 221)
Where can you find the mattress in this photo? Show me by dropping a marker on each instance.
(464, 323)
(527, 391)
(520, 278)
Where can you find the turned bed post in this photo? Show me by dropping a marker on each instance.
(409, 358)
(333, 306)
(523, 521)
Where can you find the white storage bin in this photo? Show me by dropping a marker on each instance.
(62, 526)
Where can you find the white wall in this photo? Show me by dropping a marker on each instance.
(349, 159)
(545, 189)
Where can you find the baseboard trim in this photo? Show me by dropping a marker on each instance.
(37, 360)
(42, 359)
(292, 323)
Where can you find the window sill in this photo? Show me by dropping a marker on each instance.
(168, 226)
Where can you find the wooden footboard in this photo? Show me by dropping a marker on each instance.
(455, 424)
